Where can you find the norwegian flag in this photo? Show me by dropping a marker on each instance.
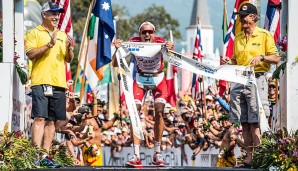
(65, 25)
(272, 19)
(234, 28)
(197, 54)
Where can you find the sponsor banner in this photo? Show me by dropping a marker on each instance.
(127, 87)
(172, 156)
(233, 73)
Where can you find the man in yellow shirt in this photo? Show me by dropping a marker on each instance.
(48, 49)
(255, 47)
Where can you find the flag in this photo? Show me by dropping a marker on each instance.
(65, 25)
(87, 98)
(98, 50)
(272, 19)
(222, 83)
(171, 79)
(103, 10)
(197, 54)
(233, 29)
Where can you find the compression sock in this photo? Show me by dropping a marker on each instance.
(136, 148)
(157, 147)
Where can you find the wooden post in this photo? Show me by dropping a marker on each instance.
(84, 73)
(82, 43)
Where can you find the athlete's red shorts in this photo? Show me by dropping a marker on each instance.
(159, 93)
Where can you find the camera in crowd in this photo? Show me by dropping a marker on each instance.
(84, 110)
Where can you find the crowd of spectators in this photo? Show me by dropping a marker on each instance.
(198, 123)
(188, 124)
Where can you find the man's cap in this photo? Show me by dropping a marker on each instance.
(171, 118)
(173, 109)
(166, 110)
(247, 8)
(209, 97)
(181, 124)
(272, 83)
(165, 133)
(51, 6)
(124, 129)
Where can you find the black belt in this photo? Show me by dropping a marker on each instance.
(147, 74)
(55, 88)
(258, 74)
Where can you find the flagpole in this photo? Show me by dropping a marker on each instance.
(84, 73)
(172, 40)
(201, 80)
(83, 42)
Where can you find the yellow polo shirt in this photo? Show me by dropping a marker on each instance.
(261, 42)
(50, 67)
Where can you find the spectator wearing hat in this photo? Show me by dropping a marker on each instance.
(271, 98)
(253, 46)
(48, 49)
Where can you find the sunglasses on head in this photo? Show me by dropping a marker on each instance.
(147, 31)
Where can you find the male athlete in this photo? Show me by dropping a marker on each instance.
(149, 68)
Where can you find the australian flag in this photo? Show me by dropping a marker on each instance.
(103, 10)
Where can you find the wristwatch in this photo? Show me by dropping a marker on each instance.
(262, 58)
(49, 45)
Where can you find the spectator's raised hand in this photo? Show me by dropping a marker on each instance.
(213, 90)
(117, 43)
(70, 42)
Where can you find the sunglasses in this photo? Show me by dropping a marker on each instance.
(271, 86)
(147, 31)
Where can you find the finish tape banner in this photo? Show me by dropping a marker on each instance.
(233, 73)
(127, 88)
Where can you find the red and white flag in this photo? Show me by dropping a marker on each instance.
(197, 55)
(233, 29)
(171, 80)
(272, 19)
(65, 25)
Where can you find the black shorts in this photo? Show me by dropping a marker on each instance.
(48, 107)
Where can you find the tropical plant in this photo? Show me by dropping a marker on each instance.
(16, 152)
(278, 151)
(19, 153)
(61, 154)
